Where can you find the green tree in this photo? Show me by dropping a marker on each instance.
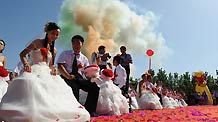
(162, 76)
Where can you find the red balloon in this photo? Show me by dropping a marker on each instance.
(149, 52)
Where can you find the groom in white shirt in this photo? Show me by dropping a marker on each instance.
(119, 74)
(70, 65)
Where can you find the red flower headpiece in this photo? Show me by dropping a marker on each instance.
(91, 70)
(107, 72)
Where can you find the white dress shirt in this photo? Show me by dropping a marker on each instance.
(120, 76)
(67, 57)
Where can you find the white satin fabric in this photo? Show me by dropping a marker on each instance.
(3, 84)
(110, 100)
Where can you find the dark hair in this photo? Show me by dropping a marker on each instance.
(3, 44)
(80, 38)
(123, 47)
(51, 26)
(48, 27)
(101, 47)
(143, 75)
(117, 58)
(51, 47)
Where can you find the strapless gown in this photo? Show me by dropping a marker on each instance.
(149, 100)
(110, 100)
(41, 97)
(3, 84)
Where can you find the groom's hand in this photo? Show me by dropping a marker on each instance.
(71, 77)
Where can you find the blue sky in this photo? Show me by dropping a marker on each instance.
(189, 28)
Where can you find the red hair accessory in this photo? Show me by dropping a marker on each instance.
(107, 72)
(3, 72)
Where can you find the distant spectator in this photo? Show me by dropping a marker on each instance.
(100, 58)
(126, 60)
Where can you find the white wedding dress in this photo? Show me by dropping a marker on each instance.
(3, 84)
(41, 97)
(110, 100)
(167, 102)
(148, 99)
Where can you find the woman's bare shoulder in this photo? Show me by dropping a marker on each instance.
(35, 44)
(2, 58)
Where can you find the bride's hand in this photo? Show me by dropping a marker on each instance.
(54, 71)
(26, 67)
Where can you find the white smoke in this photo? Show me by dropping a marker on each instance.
(112, 23)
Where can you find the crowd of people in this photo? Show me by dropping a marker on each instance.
(155, 96)
(38, 94)
(38, 91)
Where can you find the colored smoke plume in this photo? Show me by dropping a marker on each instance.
(111, 23)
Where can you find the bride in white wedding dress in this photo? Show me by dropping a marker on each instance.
(3, 72)
(38, 96)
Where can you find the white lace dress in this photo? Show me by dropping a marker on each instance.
(183, 102)
(3, 84)
(167, 102)
(110, 100)
(41, 97)
(149, 100)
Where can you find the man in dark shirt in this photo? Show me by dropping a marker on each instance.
(126, 60)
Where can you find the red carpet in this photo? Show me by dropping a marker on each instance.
(185, 114)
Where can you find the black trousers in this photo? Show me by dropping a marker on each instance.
(127, 68)
(87, 86)
(160, 96)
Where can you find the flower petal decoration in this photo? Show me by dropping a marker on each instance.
(185, 114)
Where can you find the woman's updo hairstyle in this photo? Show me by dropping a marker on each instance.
(51, 26)
(2, 45)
